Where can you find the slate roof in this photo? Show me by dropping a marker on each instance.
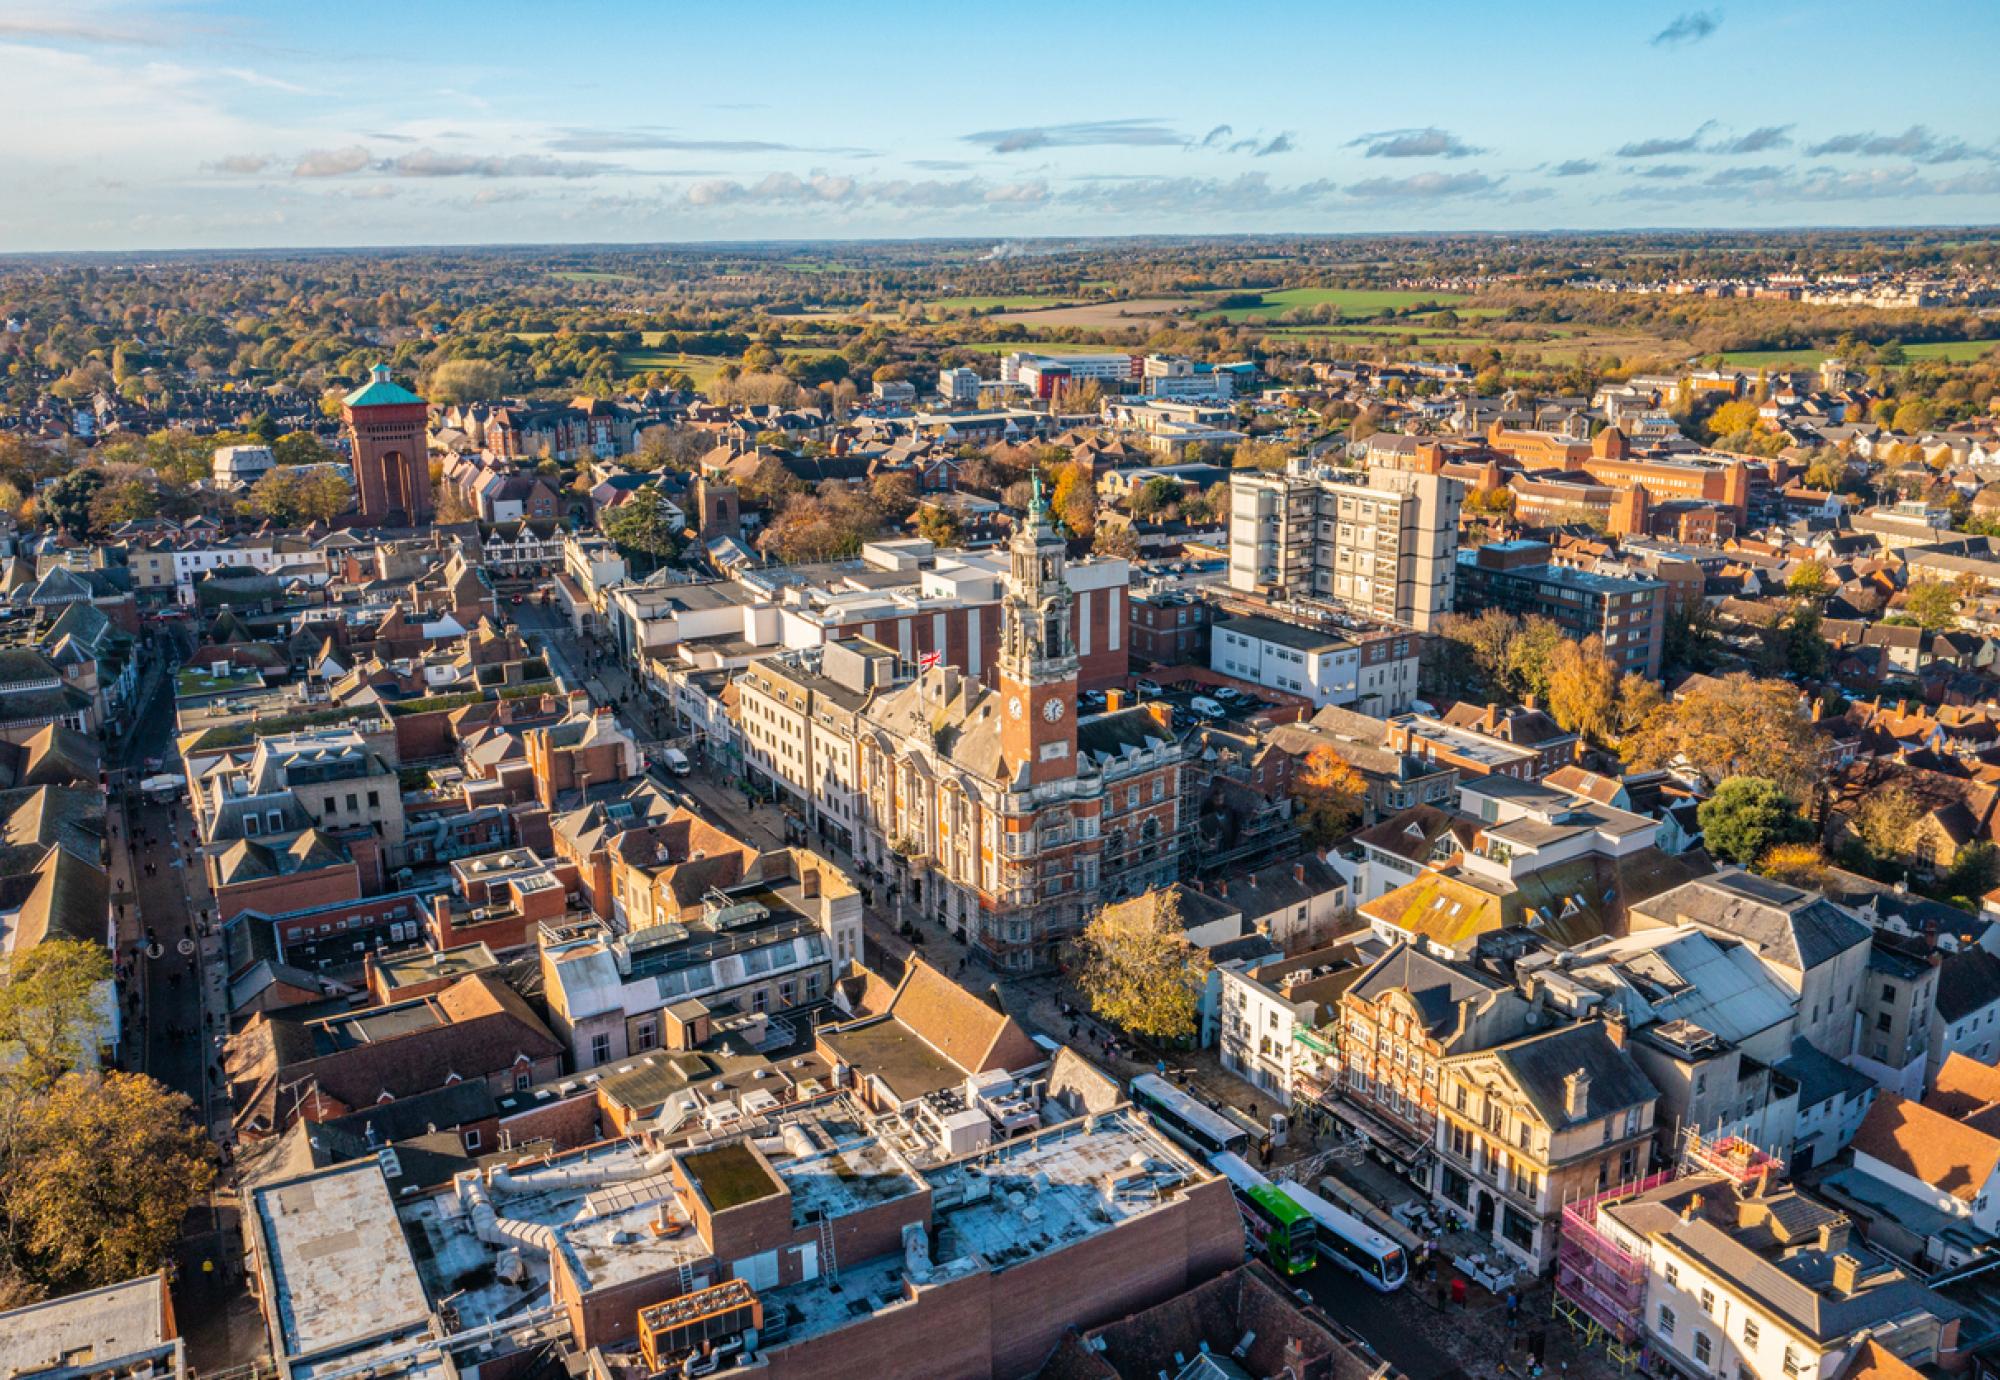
(1436, 987)
(1540, 1063)
(1821, 1077)
(1799, 929)
(1968, 981)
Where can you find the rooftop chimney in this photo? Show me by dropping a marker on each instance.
(809, 883)
(1846, 1273)
(1576, 1092)
(1114, 700)
(1833, 1235)
(1614, 1027)
(1299, 873)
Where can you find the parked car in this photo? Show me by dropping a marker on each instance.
(1147, 687)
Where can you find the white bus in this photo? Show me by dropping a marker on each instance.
(1351, 1243)
(1198, 1127)
(1344, 1239)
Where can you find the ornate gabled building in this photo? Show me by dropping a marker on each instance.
(994, 808)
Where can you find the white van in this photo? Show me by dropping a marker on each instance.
(676, 761)
(1202, 704)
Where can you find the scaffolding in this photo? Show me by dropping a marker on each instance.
(1600, 1287)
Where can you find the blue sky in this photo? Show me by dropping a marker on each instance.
(136, 126)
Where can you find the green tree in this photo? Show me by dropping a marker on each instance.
(67, 501)
(643, 523)
(1748, 816)
(50, 1013)
(1155, 497)
(321, 495)
(302, 448)
(1136, 968)
(1531, 655)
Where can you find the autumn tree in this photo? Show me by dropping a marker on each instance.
(1932, 604)
(1075, 498)
(1137, 969)
(1747, 817)
(1887, 822)
(1733, 419)
(1810, 580)
(1116, 539)
(1637, 698)
(124, 500)
(1582, 690)
(1795, 864)
(98, 1172)
(939, 526)
(1330, 794)
(1735, 726)
(1261, 455)
(672, 448)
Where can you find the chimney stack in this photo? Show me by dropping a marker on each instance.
(1833, 1235)
(1846, 1273)
(1614, 1027)
(1299, 873)
(1576, 1093)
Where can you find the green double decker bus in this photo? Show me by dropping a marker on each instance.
(1286, 1232)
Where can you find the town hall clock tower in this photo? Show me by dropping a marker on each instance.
(1038, 664)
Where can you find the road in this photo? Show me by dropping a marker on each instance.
(178, 1008)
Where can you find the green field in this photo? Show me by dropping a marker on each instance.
(1954, 351)
(579, 275)
(701, 368)
(1351, 301)
(1023, 302)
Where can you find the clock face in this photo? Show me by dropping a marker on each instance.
(1053, 710)
(1014, 706)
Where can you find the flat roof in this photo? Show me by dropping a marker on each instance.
(102, 1324)
(1285, 634)
(342, 1272)
(1028, 1197)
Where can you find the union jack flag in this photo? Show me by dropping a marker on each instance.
(928, 660)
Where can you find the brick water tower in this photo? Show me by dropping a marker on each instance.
(392, 470)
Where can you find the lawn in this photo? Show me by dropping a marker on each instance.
(1351, 301)
(1954, 351)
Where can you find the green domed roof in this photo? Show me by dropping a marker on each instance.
(381, 391)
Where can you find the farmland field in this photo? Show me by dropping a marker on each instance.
(1098, 315)
(1035, 347)
(1350, 301)
(1023, 302)
(578, 275)
(1955, 351)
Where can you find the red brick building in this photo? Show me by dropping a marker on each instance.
(386, 426)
